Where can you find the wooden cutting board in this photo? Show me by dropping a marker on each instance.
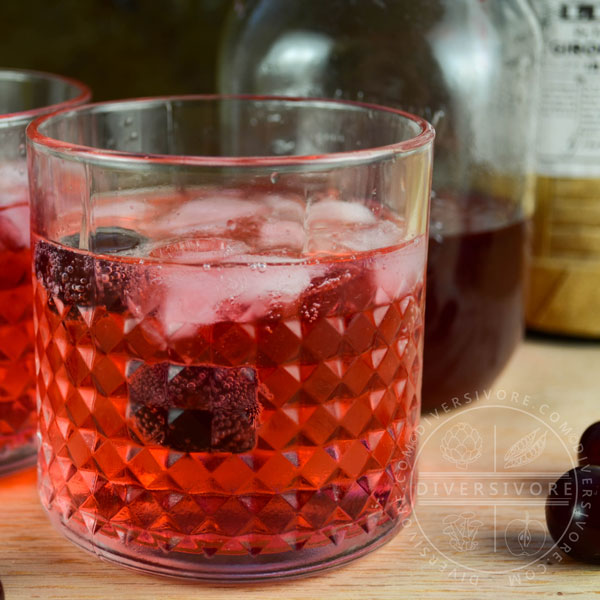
(477, 504)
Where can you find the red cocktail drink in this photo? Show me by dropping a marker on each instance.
(23, 96)
(230, 388)
(17, 374)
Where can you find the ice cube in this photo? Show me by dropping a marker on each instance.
(236, 292)
(323, 241)
(285, 207)
(269, 283)
(339, 227)
(383, 234)
(400, 271)
(189, 281)
(331, 224)
(186, 294)
(218, 214)
(137, 209)
(355, 238)
(199, 250)
(284, 237)
(329, 213)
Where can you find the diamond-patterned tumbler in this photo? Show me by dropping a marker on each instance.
(229, 324)
(23, 96)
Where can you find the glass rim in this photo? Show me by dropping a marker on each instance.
(104, 155)
(24, 116)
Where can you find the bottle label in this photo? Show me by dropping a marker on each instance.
(569, 109)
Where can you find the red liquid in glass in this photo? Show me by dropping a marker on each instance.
(264, 422)
(17, 379)
(475, 287)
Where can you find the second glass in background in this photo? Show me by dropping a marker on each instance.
(23, 96)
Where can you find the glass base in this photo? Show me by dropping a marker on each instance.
(17, 459)
(231, 569)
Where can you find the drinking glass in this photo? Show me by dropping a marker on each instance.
(23, 96)
(229, 326)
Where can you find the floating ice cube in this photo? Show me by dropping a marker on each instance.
(229, 292)
(262, 286)
(286, 207)
(400, 271)
(381, 235)
(199, 250)
(268, 281)
(323, 241)
(282, 236)
(132, 210)
(215, 213)
(334, 226)
(180, 294)
(356, 237)
(328, 213)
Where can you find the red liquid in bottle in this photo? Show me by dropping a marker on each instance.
(475, 288)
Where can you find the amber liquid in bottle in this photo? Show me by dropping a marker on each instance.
(565, 269)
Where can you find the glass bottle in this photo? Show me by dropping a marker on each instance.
(470, 67)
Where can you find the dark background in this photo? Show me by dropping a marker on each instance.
(120, 48)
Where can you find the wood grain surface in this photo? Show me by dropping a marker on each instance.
(463, 540)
